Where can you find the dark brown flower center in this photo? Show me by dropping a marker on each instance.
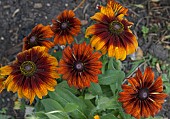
(28, 68)
(116, 27)
(64, 25)
(143, 93)
(79, 66)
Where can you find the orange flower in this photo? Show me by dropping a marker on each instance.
(111, 33)
(144, 96)
(96, 117)
(65, 27)
(79, 65)
(38, 37)
(31, 74)
(117, 9)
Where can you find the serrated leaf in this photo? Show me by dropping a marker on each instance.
(70, 107)
(111, 76)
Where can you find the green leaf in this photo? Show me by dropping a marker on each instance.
(57, 54)
(167, 87)
(106, 91)
(64, 84)
(64, 96)
(145, 30)
(68, 97)
(165, 78)
(70, 107)
(51, 116)
(51, 105)
(156, 117)
(117, 64)
(111, 76)
(95, 89)
(104, 60)
(108, 116)
(40, 114)
(105, 103)
(89, 96)
(110, 64)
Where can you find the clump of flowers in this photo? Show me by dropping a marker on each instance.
(85, 84)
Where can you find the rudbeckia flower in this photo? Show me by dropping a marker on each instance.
(32, 74)
(96, 117)
(111, 33)
(65, 26)
(80, 66)
(144, 96)
(38, 37)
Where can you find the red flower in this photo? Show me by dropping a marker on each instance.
(65, 27)
(79, 65)
(38, 37)
(144, 96)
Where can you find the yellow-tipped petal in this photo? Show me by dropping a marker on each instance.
(6, 70)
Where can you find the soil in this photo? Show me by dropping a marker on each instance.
(18, 17)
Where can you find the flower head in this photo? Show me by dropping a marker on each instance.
(32, 74)
(79, 65)
(144, 96)
(96, 117)
(111, 33)
(65, 27)
(38, 37)
(116, 9)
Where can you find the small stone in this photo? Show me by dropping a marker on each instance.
(2, 38)
(66, 5)
(46, 17)
(37, 5)
(84, 22)
(48, 4)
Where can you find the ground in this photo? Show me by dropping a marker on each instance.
(17, 17)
